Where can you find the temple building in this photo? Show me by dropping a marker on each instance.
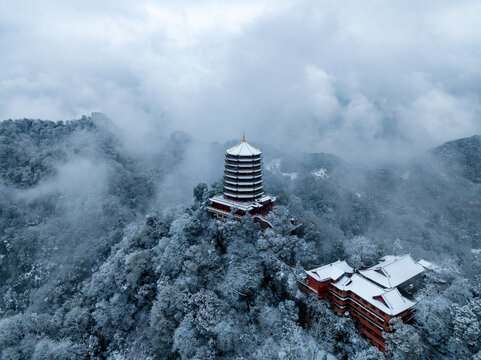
(243, 191)
(371, 296)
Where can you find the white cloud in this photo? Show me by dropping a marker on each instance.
(361, 79)
(437, 116)
(321, 94)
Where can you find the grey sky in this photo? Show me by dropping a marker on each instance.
(364, 80)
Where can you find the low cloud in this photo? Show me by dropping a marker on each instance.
(79, 185)
(367, 81)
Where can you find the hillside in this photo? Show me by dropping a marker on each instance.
(93, 265)
(464, 155)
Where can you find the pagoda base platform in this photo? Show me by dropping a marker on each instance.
(223, 208)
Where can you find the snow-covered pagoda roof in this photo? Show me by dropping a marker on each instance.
(393, 270)
(331, 271)
(241, 205)
(243, 149)
(390, 301)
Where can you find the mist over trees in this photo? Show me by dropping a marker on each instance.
(93, 264)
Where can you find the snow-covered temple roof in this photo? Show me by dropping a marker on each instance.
(393, 270)
(390, 301)
(330, 271)
(243, 149)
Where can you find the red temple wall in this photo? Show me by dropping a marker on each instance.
(320, 287)
(364, 312)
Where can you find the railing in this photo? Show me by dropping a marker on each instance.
(355, 303)
(366, 318)
(243, 189)
(243, 183)
(251, 177)
(243, 171)
(222, 212)
(243, 158)
(244, 196)
(252, 163)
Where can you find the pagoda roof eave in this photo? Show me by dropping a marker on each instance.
(243, 149)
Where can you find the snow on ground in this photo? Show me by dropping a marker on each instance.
(476, 251)
(322, 173)
(292, 175)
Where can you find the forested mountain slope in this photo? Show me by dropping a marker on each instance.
(92, 267)
(464, 155)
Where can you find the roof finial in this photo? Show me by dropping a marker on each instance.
(243, 137)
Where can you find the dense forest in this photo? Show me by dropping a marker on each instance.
(94, 265)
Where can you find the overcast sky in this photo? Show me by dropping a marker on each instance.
(361, 79)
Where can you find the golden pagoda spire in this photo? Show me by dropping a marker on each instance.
(243, 137)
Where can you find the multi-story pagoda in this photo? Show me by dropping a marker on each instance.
(243, 187)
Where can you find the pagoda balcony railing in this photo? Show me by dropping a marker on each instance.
(235, 167)
(243, 158)
(252, 193)
(242, 183)
(243, 186)
(238, 171)
(243, 190)
(243, 161)
(243, 177)
(234, 164)
(243, 196)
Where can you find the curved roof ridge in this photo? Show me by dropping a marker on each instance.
(386, 301)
